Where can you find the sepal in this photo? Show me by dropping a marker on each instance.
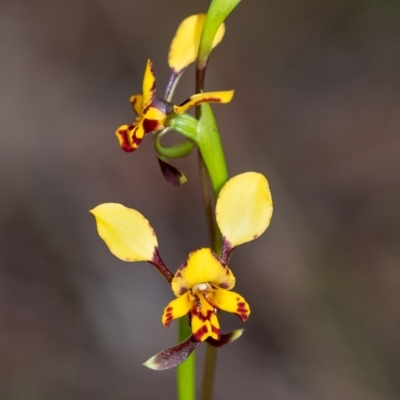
(226, 338)
(171, 174)
(173, 356)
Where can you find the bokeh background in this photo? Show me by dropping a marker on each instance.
(316, 109)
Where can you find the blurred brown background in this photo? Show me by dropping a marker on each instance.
(316, 109)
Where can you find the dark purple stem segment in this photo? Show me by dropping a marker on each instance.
(159, 264)
(226, 251)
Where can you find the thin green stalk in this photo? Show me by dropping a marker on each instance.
(211, 153)
(186, 372)
(209, 372)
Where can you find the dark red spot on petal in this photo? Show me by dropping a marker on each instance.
(224, 285)
(182, 290)
(216, 330)
(201, 332)
(169, 309)
(124, 135)
(243, 317)
(150, 125)
(167, 321)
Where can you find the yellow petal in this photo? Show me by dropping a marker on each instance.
(208, 97)
(149, 84)
(202, 266)
(176, 308)
(204, 321)
(137, 104)
(244, 208)
(185, 45)
(126, 232)
(155, 114)
(229, 301)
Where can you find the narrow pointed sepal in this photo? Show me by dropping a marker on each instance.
(173, 356)
(171, 174)
(226, 338)
(149, 85)
(208, 97)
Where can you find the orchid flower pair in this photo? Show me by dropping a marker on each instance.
(203, 283)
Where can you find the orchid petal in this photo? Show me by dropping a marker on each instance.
(176, 308)
(202, 266)
(204, 321)
(137, 104)
(244, 208)
(149, 84)
(126, 232)
(229, 301)
(185, 45)
(124, 135)
(208, 97)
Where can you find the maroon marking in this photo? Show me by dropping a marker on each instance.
(226, 251)
(124, 135)
(203, 100)
(167, 322)
(169, 309)
(216, 330)
(242, 311)
(182, 290)
(133, 104)
(255, 236)
(208, 100)
(159, 264)
(149, 125)
(200, 333)
(202, 317)
(184, 265)
(237, 298)
(224, 285)
(243, 317)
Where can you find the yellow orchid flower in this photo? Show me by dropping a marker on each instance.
(203, 283)
(151, 111)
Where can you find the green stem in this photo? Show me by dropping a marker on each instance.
(211, 151)
(186, 372)
(209, 372)
(212, 154)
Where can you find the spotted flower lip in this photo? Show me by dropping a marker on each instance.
(202, 285)
(152, 112)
